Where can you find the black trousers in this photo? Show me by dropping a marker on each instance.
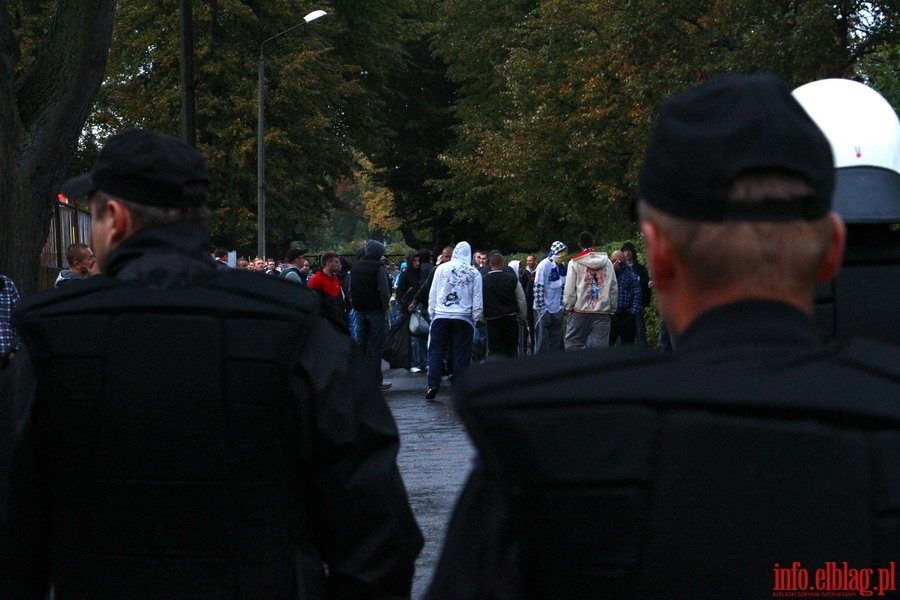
(503, 336)
(623, 326)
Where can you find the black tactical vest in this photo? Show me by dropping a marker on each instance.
(669, 485)
(173, 447)
(861, 301)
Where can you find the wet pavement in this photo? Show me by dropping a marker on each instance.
(435, 455)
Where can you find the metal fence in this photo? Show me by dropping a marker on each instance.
(70, 224)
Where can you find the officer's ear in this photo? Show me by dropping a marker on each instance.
(837, 240)
(659, 256)
(112, 221)
(121, 221)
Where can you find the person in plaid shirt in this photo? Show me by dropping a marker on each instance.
(9, 341)
(624, 321)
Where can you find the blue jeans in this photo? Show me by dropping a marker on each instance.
(449, 339)
(371, 329)
(419, 359)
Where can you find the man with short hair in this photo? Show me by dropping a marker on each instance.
(327, 284)
(480, 259)
(753, 447)
(81, 261)
(624, 321)
(589, 296)
(221, 255)
(504, 308)
(243, 264)
(259, 265)
(265, 470)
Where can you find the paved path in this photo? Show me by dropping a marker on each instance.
(435, 455)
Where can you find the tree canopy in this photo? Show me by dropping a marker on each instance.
(557, 98)
(508, 124)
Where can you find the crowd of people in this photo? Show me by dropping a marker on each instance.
(226, 435)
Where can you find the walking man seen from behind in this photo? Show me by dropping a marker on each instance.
(589, 297)
(455, 305)
(370, 296)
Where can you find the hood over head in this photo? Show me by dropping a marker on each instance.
(463, 253)
(375, 248)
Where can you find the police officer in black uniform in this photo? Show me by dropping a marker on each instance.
(864, 133)
(755, 459)
(223, 441)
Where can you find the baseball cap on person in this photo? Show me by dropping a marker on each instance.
(710, 134)
(146, 168)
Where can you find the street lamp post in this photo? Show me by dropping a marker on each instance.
(260, 136)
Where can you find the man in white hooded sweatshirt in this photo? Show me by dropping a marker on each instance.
(455, 304)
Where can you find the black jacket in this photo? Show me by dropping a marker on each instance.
(627, 474)
(369, 287)
(219, 441)
(642, 272)
(499, 293)
(410, 282)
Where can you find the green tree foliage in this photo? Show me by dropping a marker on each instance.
(558, 97)
(420, 118)
(325, 90)
(52, 57)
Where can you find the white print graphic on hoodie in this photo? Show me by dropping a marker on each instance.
(456, 289)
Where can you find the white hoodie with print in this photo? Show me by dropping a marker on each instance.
(456, 289)
(591, 285)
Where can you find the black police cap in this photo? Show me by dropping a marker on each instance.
(146, 168)
(707, 136)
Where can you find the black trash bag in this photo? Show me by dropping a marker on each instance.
(397, 347)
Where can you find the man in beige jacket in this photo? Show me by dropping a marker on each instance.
(590, 296)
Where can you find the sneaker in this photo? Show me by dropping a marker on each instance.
(431, 394)
(415, 370)
(385, 386)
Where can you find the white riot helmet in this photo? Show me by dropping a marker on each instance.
(864, 133)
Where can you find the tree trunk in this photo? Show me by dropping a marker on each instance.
(42, 113)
